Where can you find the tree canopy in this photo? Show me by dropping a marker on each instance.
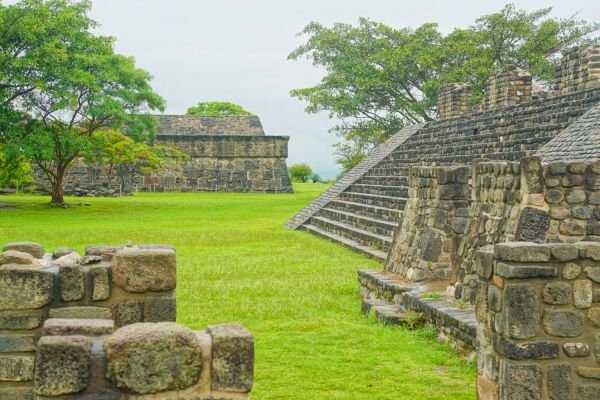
(379, 79)
(60, 83)
(300, 172)
(216, 109)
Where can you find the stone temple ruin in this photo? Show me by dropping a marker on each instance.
(226, 154)
(101, 327)
(500, 208)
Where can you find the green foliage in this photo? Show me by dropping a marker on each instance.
(66, 83)
(300, 172)
(379, 79)
(432, 295)
(15, 168)
(315, 178)
(295, 292)
(216, 109)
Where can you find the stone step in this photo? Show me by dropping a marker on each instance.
(385, 313)
(366, 238)
(389, 168)
(379, 226)
(352, 244)
(385, 180)
(388, 214)
(85, 327)
(397, 203)
(380, 190)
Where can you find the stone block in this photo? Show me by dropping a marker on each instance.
(554, 196)
(494, 298)
(16, 257)
(62, 365)
(589, 250)
(520, 381)
(106, 252)
(564, 251)
(487, 389)
(532, 175)
(582, 293)
(100, 283)
(232, 358)
(160, 309)
(593, 273)
(560, 382)
(63, 251)
(141, 270)
(69, 260)
(484, 263)
(563, 323)
(522, 311)
(573, 227)
(454, 192)
(35, 249)
(17, 343)
(588, 392)
(85, 327)
(22, 288)
(17, 393)
(533, 225)
(576, 349)
(16, 368)
(128, 312)
(588, 372)
(72, 285)
(525, 271)
(81, 312)
(540, 350)
(18, 321)
(572, 271)
(557, 293)
(576, 196)
(152, 358)
(522, 252)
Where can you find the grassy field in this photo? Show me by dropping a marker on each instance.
(297, 293)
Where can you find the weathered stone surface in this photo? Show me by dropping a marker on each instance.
(72, 286)
(557, 293)
(563, 323)
(594, 316)
(87, 260)
(16, 368)
(494, 298)
(35, 249)
(484, 262)
(573, 227)
(233, 358)
(522, 311)
(487, 389)
(16, 393)
(554, 196)
(102, 251)
(593, 273)
(564, 251)
(141, 270)
(431, 245)
(582, 293)
(16, 257)
(151, 358)
(17, 343)
(540, 350)
(160, 309)
(588, 372)
(522, 252)
(128, 312)
(62, 365)
(29, 320)
(588, 392)
(63, 251)
(520, 382)
(81, 312)
(589, 250)
(67, 260)
(532, 178)
(572, 271)
(560, 382)
(25, 288)
(86, 327)
(525, 271)
(576, 349)
(575, 196)
(100, 283)
(581, 212)
(532, 226)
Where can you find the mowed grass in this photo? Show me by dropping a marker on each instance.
(297, 293)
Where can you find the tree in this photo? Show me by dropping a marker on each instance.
(65, 83)
(300, 172)
(15, 169)
(379, 79)
(216, 109)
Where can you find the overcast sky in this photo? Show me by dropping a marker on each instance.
(236, 50)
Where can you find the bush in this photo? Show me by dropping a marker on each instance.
(300, 172)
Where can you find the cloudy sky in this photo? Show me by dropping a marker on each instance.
(236, 50)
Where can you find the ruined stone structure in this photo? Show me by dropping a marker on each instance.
(228, 154)
(101, 327)
(517, 177)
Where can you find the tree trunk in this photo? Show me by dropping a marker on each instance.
(58, 193)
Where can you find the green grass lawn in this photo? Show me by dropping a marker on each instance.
(297, 293)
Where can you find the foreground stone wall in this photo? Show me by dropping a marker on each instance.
(539, 321)
(58, 313)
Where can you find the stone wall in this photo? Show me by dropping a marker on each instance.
(538, 315)
(239, 125)
(58, 313)
(454, 100)
(579, 69)
(509, 86)
(435, 219)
